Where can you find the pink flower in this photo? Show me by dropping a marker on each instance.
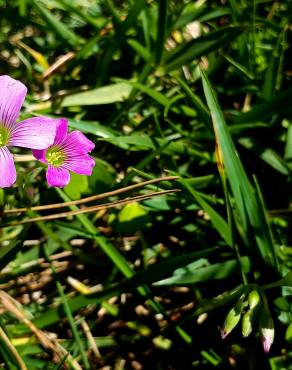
(69, 152)
(33, 133)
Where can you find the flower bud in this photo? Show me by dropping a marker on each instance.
(267, 330)
(268, 335)
(246, 324)
(253, 299)
(232, 318)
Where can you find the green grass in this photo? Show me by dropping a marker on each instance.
(200, 90)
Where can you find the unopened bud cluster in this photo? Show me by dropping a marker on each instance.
(251, 308)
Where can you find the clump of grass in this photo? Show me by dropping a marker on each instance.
(188, 105)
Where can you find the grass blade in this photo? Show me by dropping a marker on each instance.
(59, 27)
(196, 48)
(244, 195)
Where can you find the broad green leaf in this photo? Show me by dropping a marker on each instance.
(132, 218)
(282, 304)
(103, 177)
(77, 186)
(92, 128)
(101, 95)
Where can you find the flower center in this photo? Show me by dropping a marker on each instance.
(4, 136)
(55, 156)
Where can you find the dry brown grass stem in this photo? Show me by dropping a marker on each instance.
(91, 198)
(12, 349)
(91, 209)
(12, 306)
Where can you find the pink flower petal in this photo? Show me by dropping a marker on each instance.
(57, 176)
(81, 164)
(12, 94)
(62, 130)
(7, 168)
(34, 133)
(268, 335)
(40, 155)
(77, 142)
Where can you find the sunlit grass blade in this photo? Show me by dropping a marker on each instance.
(244, 195)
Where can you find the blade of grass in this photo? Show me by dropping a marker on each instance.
(118, 39)
(241, 188)
(198, 47)
(266, 154)
(216, 271)
(271, 75)
(217, 220)
(59, 27)
(261, 112)
(71, 8)
(197, 103)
